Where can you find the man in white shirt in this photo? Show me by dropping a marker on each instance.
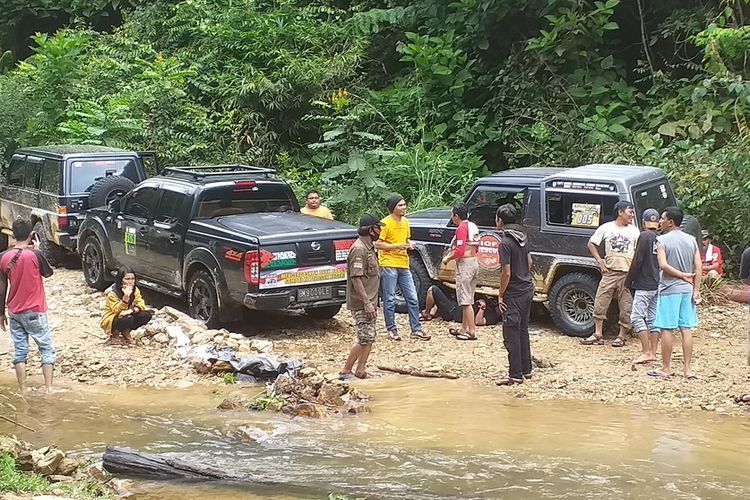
(619, 237)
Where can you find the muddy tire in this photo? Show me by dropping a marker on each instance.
(94, 264)
(51, 251)
(325, 312)
(422, 282)
(107, 189)
(203, 298)
(571, 304)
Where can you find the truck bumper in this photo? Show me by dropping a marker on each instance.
(287, 299)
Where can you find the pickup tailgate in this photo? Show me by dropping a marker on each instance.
(296, 250)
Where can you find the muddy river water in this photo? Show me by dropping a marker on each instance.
(423, 439)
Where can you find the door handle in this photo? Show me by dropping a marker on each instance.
(143, 231)
(172, 238)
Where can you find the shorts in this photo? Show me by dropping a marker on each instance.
(34, 325)
(467, 274)
(643, 312)
(676, 311)
(364, 327)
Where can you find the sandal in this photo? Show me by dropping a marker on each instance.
(659, 374)
(466, 336)
(454, 331)
(423, 318)
(509, 381)
(593, 340)
(420, 336)
(618, 342)
(394, 335)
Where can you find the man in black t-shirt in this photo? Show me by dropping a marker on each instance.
(643, 282)
(515, 294)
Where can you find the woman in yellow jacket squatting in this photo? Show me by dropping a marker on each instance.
(124, 309)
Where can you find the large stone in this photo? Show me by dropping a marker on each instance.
(236, 336)
(264, 346)
(178, 335)
(11, 446)
(222, 367)
(68, 466)
(251, 435)
(50, 460)
(232, 403)
(331, 395)
(284, 384)
(161, 338)
(201, 366)
(308, 410)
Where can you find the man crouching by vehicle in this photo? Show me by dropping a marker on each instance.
(24, 266)
(362, 285)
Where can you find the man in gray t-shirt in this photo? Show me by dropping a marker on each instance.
(679, 290)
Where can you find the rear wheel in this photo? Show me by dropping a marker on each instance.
(325, 312)
(571, 303)
(203, 299)
(52, 252)
(3, 242)
(422, 282)
(94, 264)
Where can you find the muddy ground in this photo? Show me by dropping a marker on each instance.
(595, 373)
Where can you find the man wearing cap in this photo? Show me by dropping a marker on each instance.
(619, 237)
(643, 282)
(362, 284)
(393, 247)
(713, 265)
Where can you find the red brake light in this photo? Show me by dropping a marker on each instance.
(252, 267)
(244, 186)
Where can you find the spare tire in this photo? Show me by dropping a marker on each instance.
(107, 189)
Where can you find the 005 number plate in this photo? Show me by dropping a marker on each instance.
(314, 293)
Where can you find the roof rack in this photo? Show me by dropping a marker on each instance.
(201, 172)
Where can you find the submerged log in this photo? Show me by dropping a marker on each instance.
(135, 463)
(417, 373)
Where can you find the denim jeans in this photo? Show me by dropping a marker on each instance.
(390, 278)
(32, 324)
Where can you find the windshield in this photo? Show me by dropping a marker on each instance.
(658, 196)
(84, 173)
(230, 200)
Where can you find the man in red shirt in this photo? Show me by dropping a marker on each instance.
(713, 265)
(24, 266)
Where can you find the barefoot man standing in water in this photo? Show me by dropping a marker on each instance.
(362, 285)
(24, 266)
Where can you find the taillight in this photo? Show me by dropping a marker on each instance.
(252, 267)
(244, 186)
(62, 220)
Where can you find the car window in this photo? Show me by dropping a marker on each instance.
(170, 207)
(241, 199)
(50, 179)
(16, 171)
(142, 202)
(658, 196)
(485, 200)
(84, 173)
(579, 209)
(33, 170)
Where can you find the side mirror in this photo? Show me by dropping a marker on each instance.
(115, 205)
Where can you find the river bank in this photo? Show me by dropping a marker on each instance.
(571, 371)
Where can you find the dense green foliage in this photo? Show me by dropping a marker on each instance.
(13, 480)
(366, 97)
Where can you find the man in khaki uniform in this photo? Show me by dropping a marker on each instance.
(362, 285)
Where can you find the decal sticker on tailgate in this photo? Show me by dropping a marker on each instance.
(302, 276)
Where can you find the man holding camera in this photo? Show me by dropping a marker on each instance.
(24, 266)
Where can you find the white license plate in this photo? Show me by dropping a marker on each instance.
(314, 293)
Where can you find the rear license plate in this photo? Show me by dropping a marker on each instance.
(314, 293)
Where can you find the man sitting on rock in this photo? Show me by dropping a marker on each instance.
(124, 309)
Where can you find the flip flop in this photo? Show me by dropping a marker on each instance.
(658, 374)
(593, 340)
(466, 336)
(618, 342)
(693, 377)
(509, 381)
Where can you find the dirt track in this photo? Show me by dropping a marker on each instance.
(597, 373)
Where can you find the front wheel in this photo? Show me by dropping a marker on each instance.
(203, 299)
(325, 312)
(94, 264)
(51, 251)
(571, 303)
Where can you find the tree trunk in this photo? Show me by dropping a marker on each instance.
(134, 463)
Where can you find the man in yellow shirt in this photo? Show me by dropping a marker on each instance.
(314, 208)
(393, 257)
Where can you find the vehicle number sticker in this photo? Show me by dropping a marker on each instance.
(585, 215)
(130, 240)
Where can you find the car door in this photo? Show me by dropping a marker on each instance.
(166, 235)
(131, 228)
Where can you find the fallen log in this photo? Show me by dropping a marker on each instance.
(135, 463)
(418, 373)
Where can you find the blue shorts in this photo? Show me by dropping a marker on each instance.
(675, 311)
(34, 325)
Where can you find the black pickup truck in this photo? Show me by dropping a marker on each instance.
(561, 208)
(226, 237)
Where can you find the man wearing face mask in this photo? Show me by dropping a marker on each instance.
(362, 283)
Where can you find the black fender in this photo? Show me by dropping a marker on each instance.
(94, 226)
(229, 310)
